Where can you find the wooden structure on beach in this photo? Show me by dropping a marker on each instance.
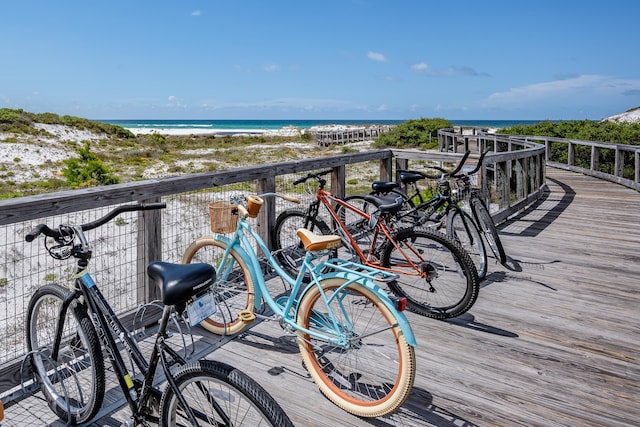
(551, 341)
(350, 134)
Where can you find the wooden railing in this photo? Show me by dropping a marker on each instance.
(619, 163)
(156, 234)
(513, 173)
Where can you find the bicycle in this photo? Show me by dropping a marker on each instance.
(438, 212)
(67, 329)
(457, 206)
(355, 342)
(434, 274)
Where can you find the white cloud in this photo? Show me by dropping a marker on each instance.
(423, 68)
(420, 67)
(586, 85)
(196, 13)
(270, 68)
(376, 56)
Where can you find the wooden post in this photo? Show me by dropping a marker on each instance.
(149, 232)
(595, 158)
(267, 215)
(571, 154)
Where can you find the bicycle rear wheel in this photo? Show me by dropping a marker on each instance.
(436, 275)
(488, 228)
(462, 228)
(233, 288)
(73, 384)
(219, 395)
(373, 374)
(287, 246)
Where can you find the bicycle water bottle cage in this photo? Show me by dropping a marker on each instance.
(384, 187)
(314, 242)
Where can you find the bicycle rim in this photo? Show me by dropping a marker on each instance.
(375, 374)
(220, 395)
(436, 276)
(233, 289)
(73, 384)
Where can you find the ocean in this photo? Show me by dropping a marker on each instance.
(221, 125)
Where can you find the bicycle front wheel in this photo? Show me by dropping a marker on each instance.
(73, 383)
(233, 289)
(219, 395)
(372, 373)
(436, 275)
(489, 229)
(462, 228)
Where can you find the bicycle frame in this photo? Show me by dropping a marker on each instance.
(326, 198)
(241, 243)
(109, 326)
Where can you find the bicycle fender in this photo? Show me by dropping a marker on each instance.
(403, 322)
(248, 260)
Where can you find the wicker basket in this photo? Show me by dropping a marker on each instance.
(222, 220)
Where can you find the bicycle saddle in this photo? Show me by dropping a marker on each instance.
(409, 177)
(316, 242)
(384, 186)
(386, 204)
(179, 282)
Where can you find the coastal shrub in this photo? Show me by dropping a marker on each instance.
(422, 133)
(88, 170)
(585, 130)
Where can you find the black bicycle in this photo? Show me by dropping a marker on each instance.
(67, 330)
(456, 206)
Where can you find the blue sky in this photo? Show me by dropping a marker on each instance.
(329, 59)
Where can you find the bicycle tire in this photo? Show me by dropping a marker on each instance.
(288, 248)
(488, 228)
(212, 388)
(364, 383)
(233, 289)
(451, 286)
(463, 229)
(74, 384)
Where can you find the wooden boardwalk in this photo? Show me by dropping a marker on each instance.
(554, 340)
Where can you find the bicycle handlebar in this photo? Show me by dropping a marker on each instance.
(312, 175)
(57, 234)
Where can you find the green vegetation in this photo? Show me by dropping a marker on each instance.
(417, 133)
(88, 170)
(586, 130)
(19, 121)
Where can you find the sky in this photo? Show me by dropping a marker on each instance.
(323, 59)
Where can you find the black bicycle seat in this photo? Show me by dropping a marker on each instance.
(386, 204)
(384, 186)
(179, 282)
(409, 177)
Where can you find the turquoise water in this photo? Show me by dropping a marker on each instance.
(278, 124)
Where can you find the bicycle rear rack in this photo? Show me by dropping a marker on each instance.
(360, 269)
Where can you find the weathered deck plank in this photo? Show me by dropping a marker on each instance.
(552, 341)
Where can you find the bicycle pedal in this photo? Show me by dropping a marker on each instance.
(247, 316)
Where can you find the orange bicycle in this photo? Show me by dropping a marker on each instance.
(435, 275)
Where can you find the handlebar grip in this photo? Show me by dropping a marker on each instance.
(242, 211)
(35, 232)
(292, 199)
(300, 180)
